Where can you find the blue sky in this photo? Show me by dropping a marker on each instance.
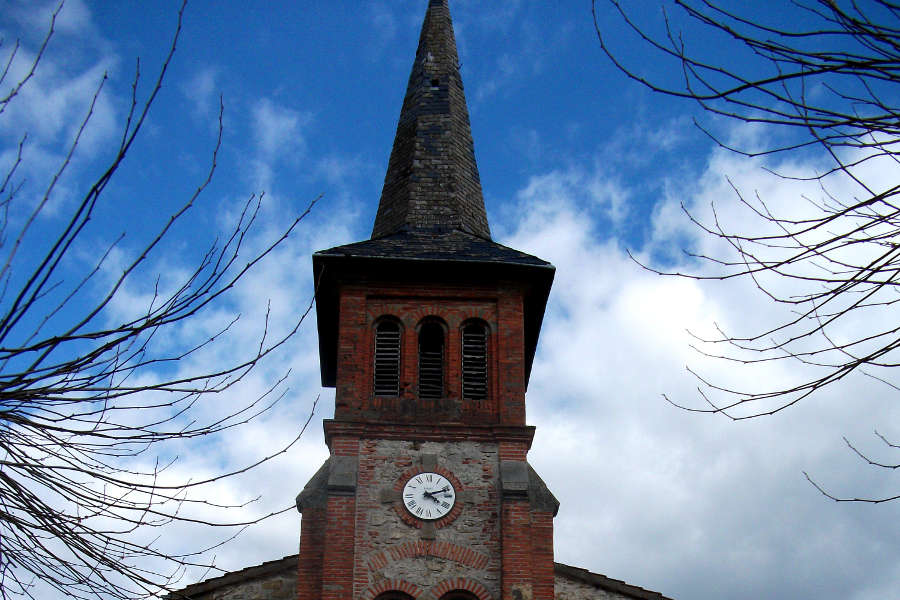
(577, 164)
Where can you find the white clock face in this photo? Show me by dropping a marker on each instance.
(428, 496)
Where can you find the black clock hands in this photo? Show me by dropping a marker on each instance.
(431, 495)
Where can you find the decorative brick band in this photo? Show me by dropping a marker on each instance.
(439, 523)
(460, 584)
(460, 554)
(391, 585)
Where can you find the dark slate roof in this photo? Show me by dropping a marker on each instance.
(455, 245)
(606, 583)
(432, 180)
(288, 565)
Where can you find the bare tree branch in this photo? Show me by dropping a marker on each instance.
(89, 400)
(823, 82)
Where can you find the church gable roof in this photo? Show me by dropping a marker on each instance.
(432, 181)
(285, 570)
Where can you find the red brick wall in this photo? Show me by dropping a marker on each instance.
(542, 555)
(337, 569)
(516, 549)
(362, 543)
(312, 547)
(500, 306)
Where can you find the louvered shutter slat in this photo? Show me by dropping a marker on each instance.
(474, 362)
(387, 359)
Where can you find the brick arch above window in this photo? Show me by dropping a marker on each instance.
(388, 341)
(460, 588)
(393, 589)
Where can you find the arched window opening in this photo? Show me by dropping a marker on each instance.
(474, 361)
(459, 595)
(394, 596)
(431, 361)
(387, 358)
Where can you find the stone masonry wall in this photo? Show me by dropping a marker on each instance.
(281, 585)
(390, 549)
(571, 589)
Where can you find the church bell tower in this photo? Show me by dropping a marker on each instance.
(428, 332)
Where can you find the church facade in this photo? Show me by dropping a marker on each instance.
(427, 332)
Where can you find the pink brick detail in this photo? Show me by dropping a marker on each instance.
(460, 583)
(460, 554)
(391, 585)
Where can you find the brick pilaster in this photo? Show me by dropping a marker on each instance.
(312, 547)
(516, 559)
(542, 555)
(337, 567)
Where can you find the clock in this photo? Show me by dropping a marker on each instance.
(428, 496)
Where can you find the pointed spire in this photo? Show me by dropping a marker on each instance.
(432, 181)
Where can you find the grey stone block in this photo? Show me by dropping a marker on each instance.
(389, 495)
(539, 494)
(342, 471)
(514, 478)
(429, 462)
(315, 492)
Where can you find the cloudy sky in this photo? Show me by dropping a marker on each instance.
(579, 165)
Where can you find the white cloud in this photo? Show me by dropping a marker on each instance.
(202, 91)
(279, 138)
(49, 109)
(677, 502)
(580, 191)
(75, 18)
(277, 129)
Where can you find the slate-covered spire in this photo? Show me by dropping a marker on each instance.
(432, 182)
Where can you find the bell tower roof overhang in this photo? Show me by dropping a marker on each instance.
(452, 257)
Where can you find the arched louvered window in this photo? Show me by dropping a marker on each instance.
(474, 361)
(387, 358)
(431, 360)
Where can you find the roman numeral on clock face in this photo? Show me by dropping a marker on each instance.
(428, 496)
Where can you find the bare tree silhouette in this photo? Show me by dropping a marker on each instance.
(84, 398)
(822, 78)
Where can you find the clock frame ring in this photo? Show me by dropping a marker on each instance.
(409, 519)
